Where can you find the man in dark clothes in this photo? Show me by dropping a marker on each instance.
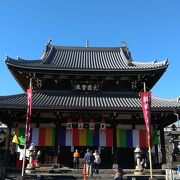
(89, 161)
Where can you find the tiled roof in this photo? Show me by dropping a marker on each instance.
(86, 59)
(77, 101)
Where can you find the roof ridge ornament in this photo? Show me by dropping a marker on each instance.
(155, 61)
(166, 62)
(46, 49)
(87, 43)
(49, 42)
(178, 99)
(47, 45)
(127, 50)
(6, 57)
(124, 43)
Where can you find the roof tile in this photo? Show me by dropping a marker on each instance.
(69, 100)
(86, 58)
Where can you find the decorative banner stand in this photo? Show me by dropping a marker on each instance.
(146, 104)
(27, 132)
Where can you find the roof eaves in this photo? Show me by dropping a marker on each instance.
(161, 63)
(85, 70)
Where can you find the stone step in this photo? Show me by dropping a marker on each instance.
(68, 173)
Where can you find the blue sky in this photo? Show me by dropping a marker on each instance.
(151, 28)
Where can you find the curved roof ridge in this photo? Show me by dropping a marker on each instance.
(164, 62)
(125, 59)
(165, 99)
(9, 59)
(64, 58)
(48, 54)
(87, 48)
(12, 95)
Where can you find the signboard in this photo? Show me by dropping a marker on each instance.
(179, 168)
(86, 86)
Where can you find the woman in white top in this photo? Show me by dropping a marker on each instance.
(97, 162)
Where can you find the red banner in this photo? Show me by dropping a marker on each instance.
(146, 106)
(28, 115)
(80, 124)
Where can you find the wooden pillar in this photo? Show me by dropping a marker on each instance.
(114, 124)
(56, 139)
(156, 152)
(7, 139)
(163, 150)
(7, 145)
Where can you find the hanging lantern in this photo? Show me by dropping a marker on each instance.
(80, 124)
(69, 124)
(103, 124)
(91, 124)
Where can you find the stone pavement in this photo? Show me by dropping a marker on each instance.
(58, 173)
(68, 173)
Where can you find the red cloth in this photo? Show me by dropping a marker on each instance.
(34, 163)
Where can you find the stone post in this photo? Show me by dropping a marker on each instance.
(30, 167)
(138, 155)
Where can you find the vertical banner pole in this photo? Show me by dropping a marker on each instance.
(24, 159)
(149, 145)
(28, 115)
(150, 161)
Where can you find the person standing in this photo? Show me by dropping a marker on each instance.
(76, 157)
(97, 162)
(89, 161)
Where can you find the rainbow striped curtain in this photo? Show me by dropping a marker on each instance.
(43, 136)
(38, 136)
(131, 138)
(83, 137)
(86, 137)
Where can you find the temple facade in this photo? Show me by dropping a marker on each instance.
(87, 97)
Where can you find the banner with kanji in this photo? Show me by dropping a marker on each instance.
(28, 115)
(146, 106)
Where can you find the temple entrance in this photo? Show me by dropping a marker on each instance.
(65, 156)
(82, 150)
(105, 154)
(106, 158)
(125, 158)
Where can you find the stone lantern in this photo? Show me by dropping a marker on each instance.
(30, 167)
(139, 163)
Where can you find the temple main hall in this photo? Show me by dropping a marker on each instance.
(87, 97)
